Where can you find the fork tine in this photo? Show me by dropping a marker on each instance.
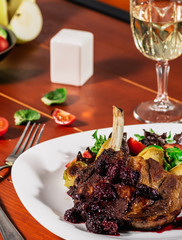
(33, 136)
(40, 134)
(21, 139)
(26, 140)
(22, 144)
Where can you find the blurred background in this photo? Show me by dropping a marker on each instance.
(123, 4)
(115, 8)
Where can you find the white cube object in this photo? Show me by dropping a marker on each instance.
(71, 57)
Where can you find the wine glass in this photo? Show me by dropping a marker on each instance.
(157, 31)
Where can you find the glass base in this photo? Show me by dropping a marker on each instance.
(147, 112)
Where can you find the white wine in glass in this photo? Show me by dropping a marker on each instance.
(157, 30)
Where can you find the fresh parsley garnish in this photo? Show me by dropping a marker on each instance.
(99, 140)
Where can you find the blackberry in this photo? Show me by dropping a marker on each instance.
(72, 215)
(113, 173)
(128, 176)
(102, 164)
(148, 192)
(110, 226)
(102, 224)
(91, 208)
(104, 192)
(72, 191)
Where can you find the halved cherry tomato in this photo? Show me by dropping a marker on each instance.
(4, 124)
(86, 154)
(63, 117)
(172, 145)
(135, 146)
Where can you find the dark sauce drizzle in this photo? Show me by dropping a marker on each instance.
(176, 225)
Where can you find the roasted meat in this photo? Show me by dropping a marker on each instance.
(168, 186)
(118, 192)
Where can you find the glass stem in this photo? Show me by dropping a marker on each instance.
(161, 101)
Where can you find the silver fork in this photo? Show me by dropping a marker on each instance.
(7, 229)
(24, 143)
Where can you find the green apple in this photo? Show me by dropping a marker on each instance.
(27, 22)
(3, 13)
(13, 6)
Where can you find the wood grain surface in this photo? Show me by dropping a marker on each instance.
(122, 77)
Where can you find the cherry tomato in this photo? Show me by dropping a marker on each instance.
(63, 117)
(86, 154)
(172, 145)
(3, 44)
(3, 126)
(135, 146)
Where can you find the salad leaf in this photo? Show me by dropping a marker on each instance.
(25, 115)
(166, 165)
(139, 137)
(151, 130)
(174, 156)
(152, 138)
(55, 97)
(165, 141)
(169, 139)
(99, 140)
(178, 138)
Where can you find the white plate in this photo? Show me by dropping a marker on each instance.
(37, 178)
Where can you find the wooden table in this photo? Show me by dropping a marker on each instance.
(122, 77)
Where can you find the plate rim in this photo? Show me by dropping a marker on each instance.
(85, 234)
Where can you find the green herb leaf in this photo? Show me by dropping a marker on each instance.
(169, 139)
(139, 137)
(174, 156)
(55, 97)
(98, 142)
(25, 115)
(166, 165)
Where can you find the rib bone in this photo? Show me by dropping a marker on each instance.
(117, 132)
